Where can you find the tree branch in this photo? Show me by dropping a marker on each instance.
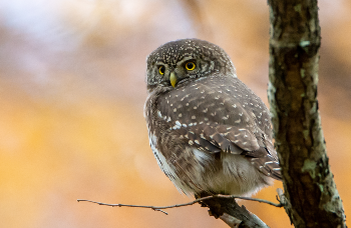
(202, 199)
(221, 206)
(313, 200)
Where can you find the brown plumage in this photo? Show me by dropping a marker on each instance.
(209, 132)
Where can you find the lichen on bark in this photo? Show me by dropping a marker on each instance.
(293, 73)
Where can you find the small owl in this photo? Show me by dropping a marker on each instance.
(208, 131)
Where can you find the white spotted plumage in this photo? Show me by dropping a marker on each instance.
(208, 131)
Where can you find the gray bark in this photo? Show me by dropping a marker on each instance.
(293, 72)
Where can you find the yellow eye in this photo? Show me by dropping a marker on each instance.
(161, 70)
(190, 66)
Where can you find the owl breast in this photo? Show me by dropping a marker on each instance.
(198, 134)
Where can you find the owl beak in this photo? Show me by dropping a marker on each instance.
(173, 79)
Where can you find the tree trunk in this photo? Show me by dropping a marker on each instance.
(293, 73)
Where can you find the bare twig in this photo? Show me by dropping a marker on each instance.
(157, 208)
(248, 198)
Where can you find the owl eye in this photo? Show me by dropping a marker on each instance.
(190, 66)
(161, 70)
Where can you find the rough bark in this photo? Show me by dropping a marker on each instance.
(231, 213)
(293, 73)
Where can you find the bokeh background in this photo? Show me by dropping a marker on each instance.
(71, 105)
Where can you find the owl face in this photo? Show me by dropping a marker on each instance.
(178, 62)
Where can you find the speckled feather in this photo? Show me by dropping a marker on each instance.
(211, 132)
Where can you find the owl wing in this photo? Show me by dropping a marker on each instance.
(215, 138)
(217, 116)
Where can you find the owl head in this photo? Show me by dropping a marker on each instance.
(179, 62)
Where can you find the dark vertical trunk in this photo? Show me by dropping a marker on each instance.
(293, 72)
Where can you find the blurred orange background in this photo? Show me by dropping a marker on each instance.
(71, 105)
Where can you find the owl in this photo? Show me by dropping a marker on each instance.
(209, 133)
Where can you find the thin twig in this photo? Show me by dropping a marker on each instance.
(248, 198)
(155, 208)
